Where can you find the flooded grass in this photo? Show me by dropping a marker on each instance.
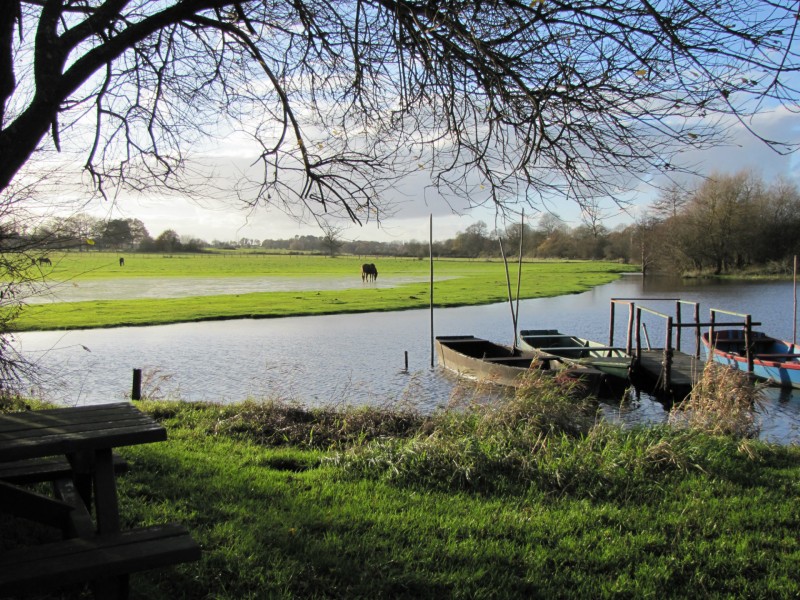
(458, 283)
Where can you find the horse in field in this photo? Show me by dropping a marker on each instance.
(43, 260)
(369, 272)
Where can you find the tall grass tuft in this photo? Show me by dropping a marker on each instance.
(546, 439)
(724, 402)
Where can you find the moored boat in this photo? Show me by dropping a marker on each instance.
(482, 360)
(612, 361)
(774, 360)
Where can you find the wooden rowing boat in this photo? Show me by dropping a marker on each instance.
(612, 361)
(774, 361)
(482, 360)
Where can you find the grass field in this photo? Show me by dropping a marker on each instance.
(463, 282)
(529, 498)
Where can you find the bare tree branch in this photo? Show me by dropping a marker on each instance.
(505, 102)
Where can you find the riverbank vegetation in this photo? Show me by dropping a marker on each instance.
(532, 497)
(402, 284)
(728, 224)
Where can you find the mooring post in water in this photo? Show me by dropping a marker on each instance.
(611, 324)
(136, 392)
(630, 328)
(667, 383)
(406, 361)
(638, 334)
(748, 341)
(697, 329)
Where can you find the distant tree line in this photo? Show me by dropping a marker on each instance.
(85, 232)
(725, 223)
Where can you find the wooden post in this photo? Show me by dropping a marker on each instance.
(748, 340)
(638, 334)
(406, 360)
(667, 380)
(794, 314)
(697, 330)
(678, 322)
(136, 391)
(712, 341)
(629, 344)
(611, 324)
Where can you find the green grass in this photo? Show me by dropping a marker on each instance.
(463, 282)
(510, 500)
(479, 502)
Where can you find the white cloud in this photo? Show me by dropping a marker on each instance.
(414, 200)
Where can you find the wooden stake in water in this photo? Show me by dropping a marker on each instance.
(136, 388)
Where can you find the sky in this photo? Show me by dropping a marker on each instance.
(228, 221)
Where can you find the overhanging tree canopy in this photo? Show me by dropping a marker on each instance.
(499, 99)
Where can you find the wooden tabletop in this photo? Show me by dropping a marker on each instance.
(31, 434)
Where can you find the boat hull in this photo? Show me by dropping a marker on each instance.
(482, 360)
(615, 362)
(774, 361)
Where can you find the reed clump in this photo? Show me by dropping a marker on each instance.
(723, 402)
(548, 438)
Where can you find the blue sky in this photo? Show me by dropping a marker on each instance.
(416, 202)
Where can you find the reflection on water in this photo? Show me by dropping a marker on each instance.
(359, 359)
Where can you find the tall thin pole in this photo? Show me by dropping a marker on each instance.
(794, 319)
(430, 247)
(508, 285)
(519, 274)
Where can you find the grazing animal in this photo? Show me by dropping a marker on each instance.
(43, 260)
(121, 262)
(369, 272)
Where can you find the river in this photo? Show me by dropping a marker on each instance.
(359, 359)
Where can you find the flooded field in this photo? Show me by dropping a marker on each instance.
(359, 359)
(182, 287)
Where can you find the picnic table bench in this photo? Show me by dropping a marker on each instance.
(73, 449)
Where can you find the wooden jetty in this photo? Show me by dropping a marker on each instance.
(685, 370)
(668, 369)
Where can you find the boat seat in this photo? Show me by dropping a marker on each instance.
(510, 359)
(579, 348)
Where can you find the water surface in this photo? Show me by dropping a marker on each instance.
(360, 359)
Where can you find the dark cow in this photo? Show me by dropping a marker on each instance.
(368, 272)
(121, 262)
(44, 261)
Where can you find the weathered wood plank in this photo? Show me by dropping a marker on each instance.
(32, 505)
(64, 431)
(49, 566)
(49, 468)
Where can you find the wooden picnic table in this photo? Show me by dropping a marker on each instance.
(87, 436)
(96, 549)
